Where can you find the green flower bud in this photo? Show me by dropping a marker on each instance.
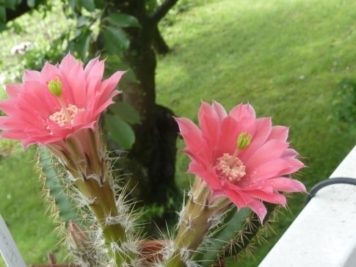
(55, 87)
(244, 140)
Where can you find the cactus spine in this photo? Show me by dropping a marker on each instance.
(83, 155)
(201, 213)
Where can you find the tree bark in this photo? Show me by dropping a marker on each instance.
(159, 44)
(155, 146)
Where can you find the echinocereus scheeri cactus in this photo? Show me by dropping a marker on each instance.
(59, 108)
(237, 158)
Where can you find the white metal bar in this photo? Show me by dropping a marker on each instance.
(8, 248)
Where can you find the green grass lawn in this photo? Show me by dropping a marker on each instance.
(22, 207)
(284, 57)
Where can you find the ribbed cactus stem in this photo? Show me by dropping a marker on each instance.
(201, 213)
(83, 155)
(81, 246)
(102, 202)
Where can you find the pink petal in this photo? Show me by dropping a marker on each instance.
(49, 72)
(274, 198)
(239, 198)
(293, 166)
(3, 120)
(290, 153)
(208, 175)
(14, 135)
(257, 207)
(69, 63)
(32, 75)
(40, 91)
(98, 110)
(74, 77)
(280, 133)
(8, 106)
(228, 137)
(219, 109)
(271, 150)
(285, 184)
(242, 199)
(13, 90)
(107, 88)
(243, 111)
(262, 132)
(194, 140)
(95, 67)
(268, 169)
(209, 123)
(94, 73)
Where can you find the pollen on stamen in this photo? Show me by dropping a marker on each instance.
(66, 115)
(230, 167)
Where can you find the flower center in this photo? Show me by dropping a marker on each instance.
(66, 115)
(230, 167)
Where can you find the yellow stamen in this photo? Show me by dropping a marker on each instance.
(55, 87)
(244, 140)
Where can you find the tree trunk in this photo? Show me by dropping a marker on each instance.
(155, 146)
(159, 44)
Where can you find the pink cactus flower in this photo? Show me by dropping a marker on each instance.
(51, 105)
(241, 157)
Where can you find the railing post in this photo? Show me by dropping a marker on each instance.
(8, 249)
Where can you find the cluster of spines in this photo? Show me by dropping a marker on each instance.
(96, 253)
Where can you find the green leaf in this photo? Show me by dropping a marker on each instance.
(72, 3)
(126, 112)
(87, 4)
(115, 40)
(122, 20)
(81, 44)
(99, 3)
(2, 14)
(11, 3)
(83, 21)
(120, 131)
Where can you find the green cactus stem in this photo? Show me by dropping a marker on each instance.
(52, 174)
(83, 155)
(250, 230)
(201, 213)
(234, 223)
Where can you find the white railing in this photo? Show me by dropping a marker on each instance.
(8, 249)
(324, 233)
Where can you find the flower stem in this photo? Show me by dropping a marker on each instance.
(83, 154)
(197, 218)
(102, 202)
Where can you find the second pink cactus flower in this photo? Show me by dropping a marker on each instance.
(240, 156)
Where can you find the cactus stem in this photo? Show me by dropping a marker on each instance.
(201, 213)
